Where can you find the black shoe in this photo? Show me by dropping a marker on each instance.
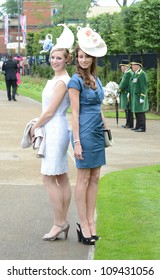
(133, 128)
(96, 237)
(9, 99)
(139, 130)
(14, 99)
(84, 240)
(124, 126)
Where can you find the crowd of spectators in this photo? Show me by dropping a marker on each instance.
(26, 63)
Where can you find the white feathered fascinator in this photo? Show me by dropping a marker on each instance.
(66, 39)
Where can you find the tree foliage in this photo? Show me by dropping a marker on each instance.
(128, 18)
(71, 11)
(147, 24)
(11, 7)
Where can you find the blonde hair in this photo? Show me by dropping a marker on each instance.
(66, 53)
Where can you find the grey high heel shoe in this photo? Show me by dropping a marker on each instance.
(63, 228)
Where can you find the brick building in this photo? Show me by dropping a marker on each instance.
(38, 14)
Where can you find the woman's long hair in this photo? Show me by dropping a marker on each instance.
(83, 73)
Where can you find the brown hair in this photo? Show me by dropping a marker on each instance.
(66, 53)
(83, 73)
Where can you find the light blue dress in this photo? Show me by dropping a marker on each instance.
(90, 123)
(57, 133)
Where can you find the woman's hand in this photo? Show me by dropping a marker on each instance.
(78, 151)
(104, 121)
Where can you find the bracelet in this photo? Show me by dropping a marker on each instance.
(75, 141)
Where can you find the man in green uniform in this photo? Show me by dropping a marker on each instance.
(124, 92)
(139, 95)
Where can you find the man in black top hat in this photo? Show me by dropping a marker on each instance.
(139, 95)
(10, 69)
(125, 93)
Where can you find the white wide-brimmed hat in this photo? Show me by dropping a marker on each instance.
(91, 42)
(66, 39)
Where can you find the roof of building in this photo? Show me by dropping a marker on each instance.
(98, 10)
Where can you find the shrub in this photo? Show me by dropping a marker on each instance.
(152, 86)
(45, 71)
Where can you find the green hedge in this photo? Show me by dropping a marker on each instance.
(45, 71)
(152, 87)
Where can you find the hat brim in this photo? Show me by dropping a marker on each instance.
(94, 51)
(122, 64)
(135, 63)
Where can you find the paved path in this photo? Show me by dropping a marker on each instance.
(25, 212)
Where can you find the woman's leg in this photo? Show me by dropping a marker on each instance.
(91, 198)
(64, 184)
(56, 196)
(83, 178)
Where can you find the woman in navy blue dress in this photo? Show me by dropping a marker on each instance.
(86, 95)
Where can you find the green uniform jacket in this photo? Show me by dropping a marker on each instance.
(124, 88)
(138, 89)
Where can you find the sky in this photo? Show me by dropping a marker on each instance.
(101, 2)
(112, 2)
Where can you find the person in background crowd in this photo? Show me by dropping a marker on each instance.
(125, 98)
(86, 95)
(139, 95)
(25, 66)
(18, 76)
(10, 69)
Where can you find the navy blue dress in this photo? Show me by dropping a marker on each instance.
(90, 123)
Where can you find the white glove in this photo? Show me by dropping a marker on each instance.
(115, 93)
(141, 101)
(128, 95)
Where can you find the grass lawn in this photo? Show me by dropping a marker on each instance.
(128, 209)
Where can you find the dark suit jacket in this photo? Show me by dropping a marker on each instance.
(10, 69)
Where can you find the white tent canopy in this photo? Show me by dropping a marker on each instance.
(15, 46)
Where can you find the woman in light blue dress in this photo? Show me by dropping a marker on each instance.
(86, 95)
(54, 167)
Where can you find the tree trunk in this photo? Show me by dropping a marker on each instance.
(118, 3)
(124, 3)
(158, 82)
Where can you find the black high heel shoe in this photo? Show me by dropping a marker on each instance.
(84, 240)
(96, 237)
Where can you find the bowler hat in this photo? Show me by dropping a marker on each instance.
(124, 62)
(136, 61)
